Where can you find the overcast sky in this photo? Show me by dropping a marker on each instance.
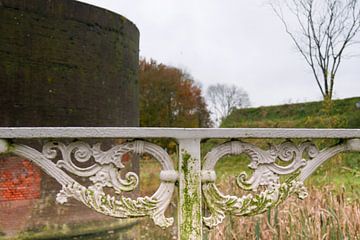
(233, 42)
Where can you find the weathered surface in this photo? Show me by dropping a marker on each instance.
(111, 132)
(19, 180)
(190, 201)
(65, 63)
(62, 63)
(276, 172)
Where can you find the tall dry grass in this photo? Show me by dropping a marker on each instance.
(328, 212)
(324, 214)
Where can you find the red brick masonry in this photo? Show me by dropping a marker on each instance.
(19, 180)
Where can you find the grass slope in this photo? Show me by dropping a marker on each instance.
(343, 114)
(343, 170)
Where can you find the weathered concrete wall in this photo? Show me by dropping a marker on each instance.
(65, 63)
(62, 63)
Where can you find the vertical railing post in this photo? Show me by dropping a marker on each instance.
(189, 208)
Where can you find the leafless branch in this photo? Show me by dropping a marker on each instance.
(222, 99)
(325, 29)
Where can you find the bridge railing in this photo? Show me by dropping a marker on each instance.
(277, 171)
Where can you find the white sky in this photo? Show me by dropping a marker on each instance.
(237, 42)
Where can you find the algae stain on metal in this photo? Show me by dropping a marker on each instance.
(190, 197)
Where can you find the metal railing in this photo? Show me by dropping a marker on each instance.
(195, 176)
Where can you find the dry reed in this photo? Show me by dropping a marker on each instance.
(324, 214)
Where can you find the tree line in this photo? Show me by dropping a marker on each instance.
(170, 97)
(320, 30)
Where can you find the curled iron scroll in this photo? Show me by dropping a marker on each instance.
(58, 159)
(266, 175)
(302, 160)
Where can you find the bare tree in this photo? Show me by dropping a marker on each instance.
(223, 99)
(325, 28)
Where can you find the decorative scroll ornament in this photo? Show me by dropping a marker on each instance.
(103, 170)
(266, 175)
(302, 161)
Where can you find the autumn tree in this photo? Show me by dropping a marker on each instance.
(321, 30)
(169, 97)
(223, 99)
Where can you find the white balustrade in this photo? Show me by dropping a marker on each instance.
(195, 176)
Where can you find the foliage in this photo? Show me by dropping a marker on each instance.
(223, 99)
(169, 97)
(343, 114)
(323, 31)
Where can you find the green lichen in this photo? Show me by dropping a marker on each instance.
(191, 214)
(251, 204)
(50, 80)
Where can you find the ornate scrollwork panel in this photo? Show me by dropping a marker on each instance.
(103, 170)
(266, 175)
(265, 187)
(302, 160)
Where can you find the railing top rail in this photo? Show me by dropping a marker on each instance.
(178, 133)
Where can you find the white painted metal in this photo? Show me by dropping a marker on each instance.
(264, 185)
(189, 206)
(266, 175)
(105, 172)
(4, 146)
(352, 145)
(178, 133)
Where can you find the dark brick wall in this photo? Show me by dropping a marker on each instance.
(65, 63)
(62, 63)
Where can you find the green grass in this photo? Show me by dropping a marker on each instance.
(343, 114)
(335, 172)
(342, 171)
